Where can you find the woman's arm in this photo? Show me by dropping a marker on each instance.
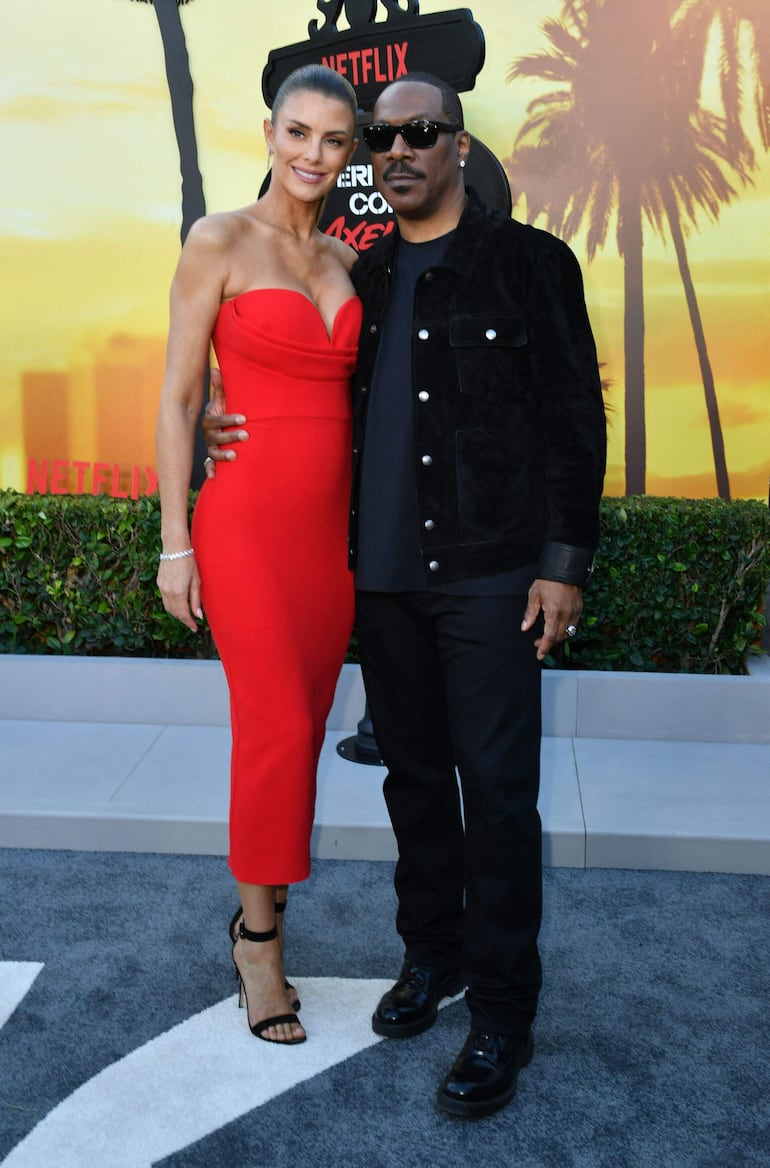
(196, 294)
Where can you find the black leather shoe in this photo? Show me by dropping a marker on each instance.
(411, 1005)
(483, 1077)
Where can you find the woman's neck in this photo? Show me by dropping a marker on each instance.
(284, 213)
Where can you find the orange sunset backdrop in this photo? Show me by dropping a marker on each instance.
(91, 209)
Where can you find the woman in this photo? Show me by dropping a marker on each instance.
(267, 557)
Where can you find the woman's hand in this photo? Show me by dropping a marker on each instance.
(180, 587)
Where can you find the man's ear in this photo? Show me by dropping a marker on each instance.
(463, 146)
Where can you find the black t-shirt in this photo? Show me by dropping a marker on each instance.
(389, 553)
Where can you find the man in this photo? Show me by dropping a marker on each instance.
(478, 464)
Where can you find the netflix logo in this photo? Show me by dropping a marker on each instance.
(374, 64)
(61, 476)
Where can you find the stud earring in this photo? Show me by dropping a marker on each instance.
(461, 164)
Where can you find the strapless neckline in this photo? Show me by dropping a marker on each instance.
(295, 292)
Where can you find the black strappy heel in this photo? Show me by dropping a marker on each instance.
(280, 906)
(258, 1028)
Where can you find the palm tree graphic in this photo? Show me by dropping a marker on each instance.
(623, 135)
(180, 87)
(743, 27)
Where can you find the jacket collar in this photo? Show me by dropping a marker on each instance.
(468, 239)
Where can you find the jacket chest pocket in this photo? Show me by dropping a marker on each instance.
(486, 348)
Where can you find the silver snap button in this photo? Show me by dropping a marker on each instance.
(423, 395)
(423, 334)
(427, 460)
(429, 525)
(372, 328)
(434, 565)
(491, 334)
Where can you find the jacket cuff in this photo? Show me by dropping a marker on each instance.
(565, 563)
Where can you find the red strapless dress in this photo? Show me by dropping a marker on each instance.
(270, 541)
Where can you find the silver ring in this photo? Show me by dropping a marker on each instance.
(207, 459)
(570, 630)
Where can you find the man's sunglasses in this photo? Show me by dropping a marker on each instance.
(418, 135)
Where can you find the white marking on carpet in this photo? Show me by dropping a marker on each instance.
(15, 979)
(198, 1076)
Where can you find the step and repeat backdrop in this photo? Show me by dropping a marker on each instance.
(608, 123)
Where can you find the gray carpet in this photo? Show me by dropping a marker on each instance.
(652, 1044)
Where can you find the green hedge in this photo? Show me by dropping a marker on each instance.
(678, 587)
(78, 576)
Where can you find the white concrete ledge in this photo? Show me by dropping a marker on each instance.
(669, 706)
(638, 770)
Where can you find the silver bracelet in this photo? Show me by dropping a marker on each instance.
(176, 555)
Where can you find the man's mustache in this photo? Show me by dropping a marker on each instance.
(397, 168)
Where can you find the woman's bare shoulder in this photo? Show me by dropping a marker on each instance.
(222, 227)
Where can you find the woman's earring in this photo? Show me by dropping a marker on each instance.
(461, 164)
(269, 158)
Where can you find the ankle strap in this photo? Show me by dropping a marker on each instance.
(248, 935)
(280, 906)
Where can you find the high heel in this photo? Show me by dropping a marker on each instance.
(280, 906)
(258, 1028)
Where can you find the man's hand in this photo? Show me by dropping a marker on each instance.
(562, 605)
(218, 430)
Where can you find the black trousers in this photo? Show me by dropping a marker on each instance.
(452, 682)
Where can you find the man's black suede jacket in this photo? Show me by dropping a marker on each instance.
(508, 412)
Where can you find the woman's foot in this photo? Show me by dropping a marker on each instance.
(260, 970)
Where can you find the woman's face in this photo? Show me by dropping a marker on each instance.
(312, 142)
